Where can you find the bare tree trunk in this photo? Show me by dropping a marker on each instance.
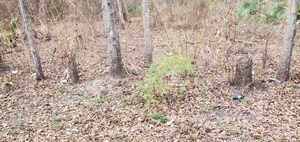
(73, 67)
(125, 11)
(288, 41)
(120, 10)
(147, 31)
(36, 6)
(110, 27)
(27, 23)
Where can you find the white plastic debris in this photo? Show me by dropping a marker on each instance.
(4, 124)
(64, 81)
(14, 71)
(274, 80)
(33, 76)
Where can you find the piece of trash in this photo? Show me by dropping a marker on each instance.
(64, 81)
(274, 80)
(14, 71)
(238, 97)
(4, 124)
(170, 122)
(33, 76)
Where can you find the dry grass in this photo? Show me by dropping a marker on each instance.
(100, 109)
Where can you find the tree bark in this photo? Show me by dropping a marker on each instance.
(111, 29)
(36, 6)
(27, 23)
(147, 31)
(125, 11)
(73, 67)
(120, 10)
(288, 41)
(1, 64)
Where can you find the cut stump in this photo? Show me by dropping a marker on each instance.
(3, 67)
(73, 67)
(243, 71)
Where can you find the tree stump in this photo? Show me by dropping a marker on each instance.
(243, 71)
(1, 64)
(73, 68)
(3, 67)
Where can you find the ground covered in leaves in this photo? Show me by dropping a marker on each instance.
(197, 108)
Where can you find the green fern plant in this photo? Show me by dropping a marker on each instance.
(174, 66)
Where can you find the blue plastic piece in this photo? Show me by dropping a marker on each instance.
(238, 97)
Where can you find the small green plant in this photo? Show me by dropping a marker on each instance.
(99, 100)
(13, 26)
(298, 13)
(174, 66)
(161, 118)
(12, 132)
(111, 119)
(203, 110)
(281, 118)
(201, 93)
(192, 138)
(63, 90)
(56, 120)
(7, 86)
(134, 10)
(22, 127)
(10, 34)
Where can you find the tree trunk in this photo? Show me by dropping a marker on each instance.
(288, 41)
(243, 71)
(27, 23)
(2, 68)
(36, 6)
(120, 9)
(147, 31)
(125, 11)
(73, 67)
(111, 29)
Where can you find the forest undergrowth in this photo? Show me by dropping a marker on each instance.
(185, 95)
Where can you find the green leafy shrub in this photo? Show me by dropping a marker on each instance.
(261, 11)
(159, 75)
(161, 118)
(247, 9)
(276, 12)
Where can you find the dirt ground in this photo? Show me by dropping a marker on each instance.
(103, 109)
